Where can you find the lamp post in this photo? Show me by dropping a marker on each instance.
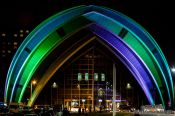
(128, 86)
(173, 74)
(54, 85)
(100, 100)
(114, 90)
(78, 86)
(173, 69)
(83, 100)
(31, 85)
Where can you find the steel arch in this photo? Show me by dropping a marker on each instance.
(54, 30)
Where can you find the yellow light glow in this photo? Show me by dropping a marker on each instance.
(34, 82)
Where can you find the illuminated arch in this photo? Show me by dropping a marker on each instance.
(146, 62)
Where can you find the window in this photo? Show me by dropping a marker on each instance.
(86, 76)
(95, 76)
(102, 77)
(79, 76)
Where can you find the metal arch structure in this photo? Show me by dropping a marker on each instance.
(126, 39)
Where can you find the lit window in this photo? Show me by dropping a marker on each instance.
(27, 31)
(15, 35)
(102, 77)
(21, 35)
(21, 31)
(86, 76)
(9, 51)
(79, 76)
(96, 76)
(3, 34)
(15, 43)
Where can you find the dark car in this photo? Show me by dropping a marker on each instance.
(125, 108)
(3, 108)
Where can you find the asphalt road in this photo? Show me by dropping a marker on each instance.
(105, 114)
(123, 114)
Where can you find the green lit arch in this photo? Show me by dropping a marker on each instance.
(27, 53)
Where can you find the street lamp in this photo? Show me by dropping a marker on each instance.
(78, 86)
(128, 86)
(100, 100)
(54, 85)
(173, 69)
(31, 91)
(83, 100)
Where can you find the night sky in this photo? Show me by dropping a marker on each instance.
(155, 16)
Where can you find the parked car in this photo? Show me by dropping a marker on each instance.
(3, 108)
(125, 108)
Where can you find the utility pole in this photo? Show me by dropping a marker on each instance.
(114, 89)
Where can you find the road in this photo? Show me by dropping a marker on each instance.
(105, 114)
(123, 114)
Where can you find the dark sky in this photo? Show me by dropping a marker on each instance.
(156, 16)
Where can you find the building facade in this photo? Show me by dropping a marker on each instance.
(87, 83)
(9, 43)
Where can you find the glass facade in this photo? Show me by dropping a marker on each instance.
(87, 83)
